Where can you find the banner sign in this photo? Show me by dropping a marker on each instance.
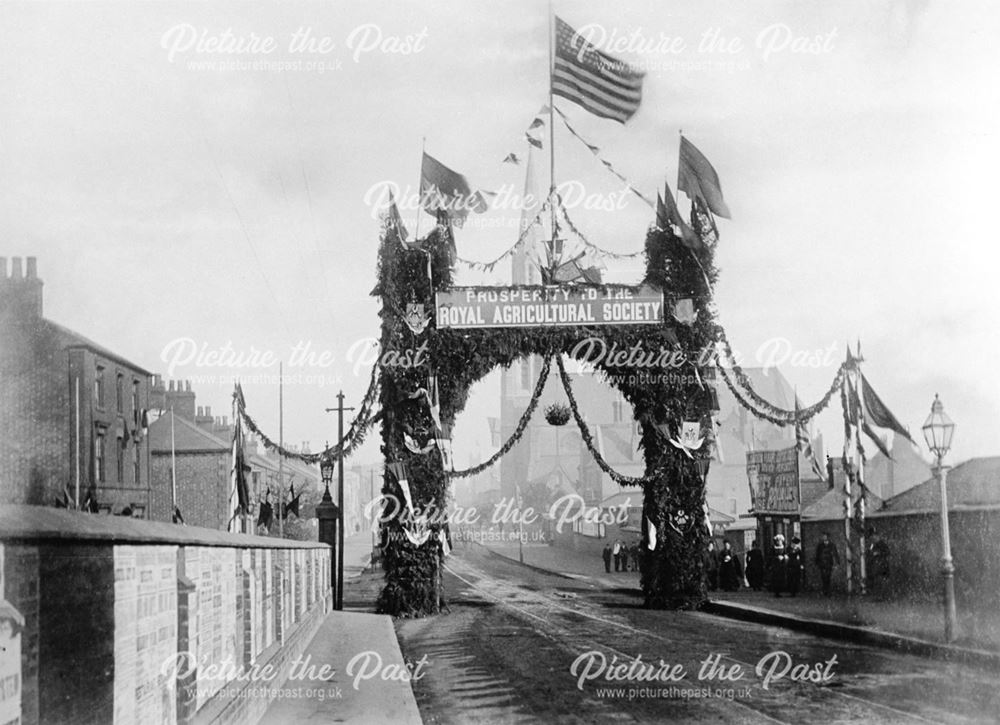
(774, 481)
(477, 307)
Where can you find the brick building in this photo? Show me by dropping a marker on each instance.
(72, 412)
(200, 446)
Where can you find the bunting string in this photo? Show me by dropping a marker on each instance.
(522, 424)
(588, 439)
(488, 266)
(761, 407)
(355, 436)
(607, 164)
(586, 242)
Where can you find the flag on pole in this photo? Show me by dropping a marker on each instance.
(667, 214)
(240, 467)
(601, 84)
(804, 444)
(877, 412)
(292, 507)
(444, 190)
(697, 178)
(395, 221)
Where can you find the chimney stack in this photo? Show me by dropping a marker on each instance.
(181, 399)
(20, 296)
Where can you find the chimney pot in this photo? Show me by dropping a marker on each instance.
(201, 412)
(32, 267)
(3, 267)
(15, 268)
(187, 386)
(171, 385)
(208, 410)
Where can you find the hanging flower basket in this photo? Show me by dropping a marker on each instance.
(557, 414)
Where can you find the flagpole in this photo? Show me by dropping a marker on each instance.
(76, 413)
(173, 465)
(420, 182)
(860, 466)
(552, 136)
(281, 458)
(848, 499)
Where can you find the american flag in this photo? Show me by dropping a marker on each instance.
(603, 85)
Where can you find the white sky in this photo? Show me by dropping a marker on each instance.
(169, 202)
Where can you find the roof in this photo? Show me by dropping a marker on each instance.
(187, 437)
(972, 484)
(831, 504)
(73, 339)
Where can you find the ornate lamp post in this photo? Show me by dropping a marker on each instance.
(326, 472)
(938, 431)
(328, 514)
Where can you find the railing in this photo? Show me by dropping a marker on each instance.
(114, 620)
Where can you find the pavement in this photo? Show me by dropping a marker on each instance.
(912, 626)
(370, 680)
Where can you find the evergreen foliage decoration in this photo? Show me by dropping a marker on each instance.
(672, 572)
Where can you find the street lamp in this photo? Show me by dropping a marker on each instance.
(938, 431)
(326, 472)
(328, 514)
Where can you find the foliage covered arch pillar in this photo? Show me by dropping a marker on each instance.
(662, 397)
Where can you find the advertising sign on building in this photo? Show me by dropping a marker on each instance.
(774, 481)
(476, 307)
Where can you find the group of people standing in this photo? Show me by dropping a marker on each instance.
(626, 557)
(784, 567)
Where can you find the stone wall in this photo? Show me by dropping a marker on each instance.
(123, 621)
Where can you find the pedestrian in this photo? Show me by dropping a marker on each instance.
(617, 552)
(779, 565)
(878, 562)
(755, 567)
(635, 556)
(796, 566)
(606, 555)
(826, 558)
(711, 562)
(730, 568)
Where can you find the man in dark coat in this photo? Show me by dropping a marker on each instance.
(606, 555)
(711, 563)
(878, 563)
(755, 567)
(779, 566)
(730, 568)
(796, 565)
(826, 558)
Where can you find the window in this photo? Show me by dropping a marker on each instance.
(99, 456)
(136, 464)
(99, 386)
(120, 393)
(120, 462)
(135, 401)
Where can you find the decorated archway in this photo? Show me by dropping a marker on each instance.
(652, 341)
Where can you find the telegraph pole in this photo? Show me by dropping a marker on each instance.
(340, 497)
